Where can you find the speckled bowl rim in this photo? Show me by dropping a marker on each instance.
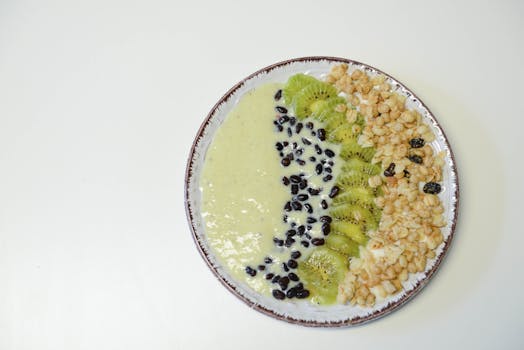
(311, 323)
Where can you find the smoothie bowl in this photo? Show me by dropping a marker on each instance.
(321, 191)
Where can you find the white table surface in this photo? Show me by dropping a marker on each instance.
(99, 104)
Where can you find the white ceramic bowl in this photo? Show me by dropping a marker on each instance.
(301, 312)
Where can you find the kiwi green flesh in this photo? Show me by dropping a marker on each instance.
(322, 271)
(349, 227)
(354, 150)
(361, 166)
(328, 107)
(342, 244)
(307, 99)
(294, 84)
(343, 133)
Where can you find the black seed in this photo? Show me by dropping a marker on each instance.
(406, 174)
(296, 206)
(321, 134)
(275, 279)
(261, 267)
(268, 260)
(313, 191)
(296, 254)
(289, 242)
(283, 119)
(415, 159)
(326, 228)
(281, 109)
(327, 178)
(285, 143)
(289, 132)
(284, 218)
(323, 161)
(295, 179)
(308, 236)
(324, 204)
(325, 218)
(293, 224)
(285, 180)
(319, 168)
(290, 156)
(305, 243)
(309, 208)
(302, 197)
(294, 145)
(275, 122)
(292, 121)
(303, 184)
(298, 128)
(280, 127)
(311, 220)
(328, 170)
(318, 149)
(279, 146)
(285, 161)
(416, 142)
(299, 286)
(390, 171)
(301, 162)
(317, 241)
(291, 293)
(277, 294)
(334, 192)
(299, 152)
(281, 154)
(269, 276)
(331, 163)
(278, 95)
(291, 233)
(329, 153)
(306, 141)
(287, 207)
(309, 125)
(251, 271)
(313, 159)
(292, 264)
(284, 267)
(432, 188)
(294, 189)
(302, 294)
(278, 242)
(293, 276)
(283, 282)
(301, 229)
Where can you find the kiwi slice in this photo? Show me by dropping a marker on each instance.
(352, 178)
(329, 106)
(322, 272)
(294, 84)
(354, 214)
(342, 244)
(343, 133)
(354, 150)
(312, 98)
(333, 120)
(352, 230)
(361, 166)
(355, 194)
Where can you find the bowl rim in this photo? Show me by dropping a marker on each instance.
(392, 306)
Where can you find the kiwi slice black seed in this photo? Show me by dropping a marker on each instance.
(312, 98)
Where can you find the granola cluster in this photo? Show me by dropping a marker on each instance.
(410, 227)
